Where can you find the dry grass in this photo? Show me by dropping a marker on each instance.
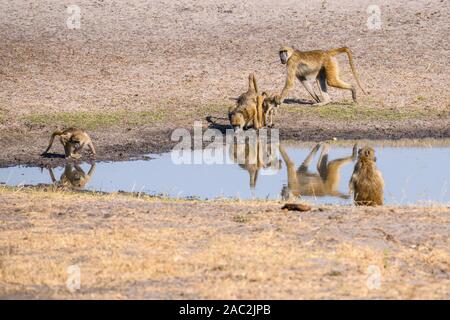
(160, 248)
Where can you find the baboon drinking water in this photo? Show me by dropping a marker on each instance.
(301, 182)
(252, 108)
(73, 141)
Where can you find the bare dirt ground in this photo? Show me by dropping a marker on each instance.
(150, 248)
(135, 70)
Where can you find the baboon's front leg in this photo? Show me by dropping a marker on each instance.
(309, 87)
(67, 149)
(76, 153)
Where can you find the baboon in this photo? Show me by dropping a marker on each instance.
(367, 183)
(315, 66)
(251, 107)
(248, 108)
(269, 108)
(301, 182)
(254, 155)
(73, 140)
(73, 176)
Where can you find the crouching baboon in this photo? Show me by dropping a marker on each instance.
(73, 140)
(367, 183)
(315, 66)
(252, 108)
(248, 109)
(72, 177)
(301, 182)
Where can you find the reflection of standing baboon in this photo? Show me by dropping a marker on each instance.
(73, 176)
(367, 182)
(325, 183)
(254, 155)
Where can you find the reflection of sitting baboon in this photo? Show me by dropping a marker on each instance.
(325, 183)
(254, 155)
(73, 176)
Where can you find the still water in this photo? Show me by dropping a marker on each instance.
(413, 175)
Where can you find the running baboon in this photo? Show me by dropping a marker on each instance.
(324, 183)
(248, 108)
(254, 155)
(73, 140)
(73, 176)
(315, 66)
(367, 183)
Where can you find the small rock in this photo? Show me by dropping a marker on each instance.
(296, 207)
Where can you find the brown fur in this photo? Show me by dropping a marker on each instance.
(367, 182)
(301, 182)
(73, 176)
(269, 108)
(73, 140)
(315, 66)
(254, 155)
(248, 109)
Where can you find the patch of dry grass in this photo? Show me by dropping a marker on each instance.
(129, 247)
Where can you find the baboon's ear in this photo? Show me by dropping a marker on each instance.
(359, 152)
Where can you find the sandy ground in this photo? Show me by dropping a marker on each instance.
(183, 61)
(148, 248)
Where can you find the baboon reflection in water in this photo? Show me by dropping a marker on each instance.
(324, 183)
(254, 155)
(73, 176)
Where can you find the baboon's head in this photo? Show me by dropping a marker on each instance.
(269, 100)
(367, 153)
(285, 53)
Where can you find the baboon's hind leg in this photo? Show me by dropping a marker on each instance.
(333, 80)
(322, 85)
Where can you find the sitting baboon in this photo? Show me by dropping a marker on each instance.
(72, 177)
(73, 140)
(367, 183)
(324, 183)
(254, 155)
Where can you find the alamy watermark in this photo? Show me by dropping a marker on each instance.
(73, 21)
(373, 280)
(73, 282)
(374, 19)
(243, 147)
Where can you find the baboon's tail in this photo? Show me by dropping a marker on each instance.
(252, 82)
(346, 50)
(54, 134)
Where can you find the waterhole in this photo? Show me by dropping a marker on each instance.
(413, 175)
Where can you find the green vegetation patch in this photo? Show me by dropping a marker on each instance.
(94, 120)
(358, 112)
